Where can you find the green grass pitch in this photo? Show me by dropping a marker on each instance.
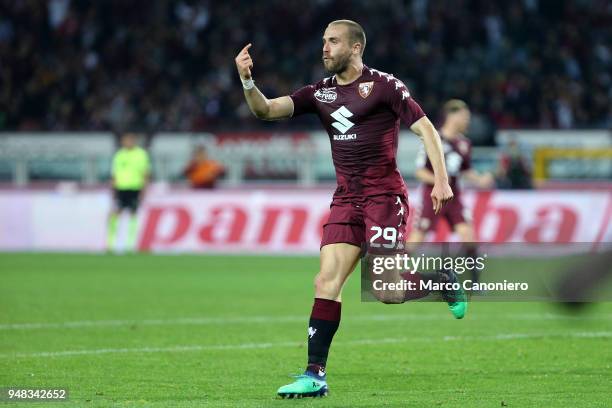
(227, 331)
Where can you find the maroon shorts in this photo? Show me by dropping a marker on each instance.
(453, 212)
(377, 220)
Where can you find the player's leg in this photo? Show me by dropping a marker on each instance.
(416, 236)
(111, 230)
(134, 202)
(465, 231)
(385, 218)
(343, 235)
(461, 223)
(456, 299)
(425, 220)
(113, 219)
(337, 263)
(338, 260)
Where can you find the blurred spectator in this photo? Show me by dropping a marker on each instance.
(201, 171)
(513, 170)
(168, 65)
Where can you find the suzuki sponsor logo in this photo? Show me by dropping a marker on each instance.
(351, 136)
(342, 123)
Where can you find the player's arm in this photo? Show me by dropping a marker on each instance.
(484, 180)
(441, 192)
(268, 109)
(262, 107)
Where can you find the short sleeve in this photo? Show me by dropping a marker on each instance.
(303, 100)
(402, 104)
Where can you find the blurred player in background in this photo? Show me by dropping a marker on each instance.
(129, 177)
(202, 171)
(458, 154)
(361, 109)
(513, 170)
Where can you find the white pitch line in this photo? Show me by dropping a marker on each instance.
(199, 321)
(152, 322)
(249, 346)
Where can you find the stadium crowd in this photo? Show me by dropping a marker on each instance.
(169, 65)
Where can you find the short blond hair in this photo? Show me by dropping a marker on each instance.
(356, 33)
(454, 105)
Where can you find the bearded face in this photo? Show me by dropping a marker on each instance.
(338, 63)
(336, 48)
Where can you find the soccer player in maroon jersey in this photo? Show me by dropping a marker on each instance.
(361, 109)
(458, 155)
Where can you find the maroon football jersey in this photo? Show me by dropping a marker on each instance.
(458, 157)
(362, 120)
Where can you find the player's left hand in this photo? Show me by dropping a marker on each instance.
(441, 193)
(244, 62)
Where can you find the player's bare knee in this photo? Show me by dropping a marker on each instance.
(324, 281)
(328, 284)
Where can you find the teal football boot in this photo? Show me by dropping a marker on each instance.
(305, 385)
(456, 299)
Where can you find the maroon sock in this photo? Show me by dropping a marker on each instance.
(324, 321)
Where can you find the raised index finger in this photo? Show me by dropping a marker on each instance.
(246, 48)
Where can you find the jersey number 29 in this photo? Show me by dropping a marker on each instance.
(388, 234)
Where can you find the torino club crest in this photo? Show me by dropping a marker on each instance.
(365, 88)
